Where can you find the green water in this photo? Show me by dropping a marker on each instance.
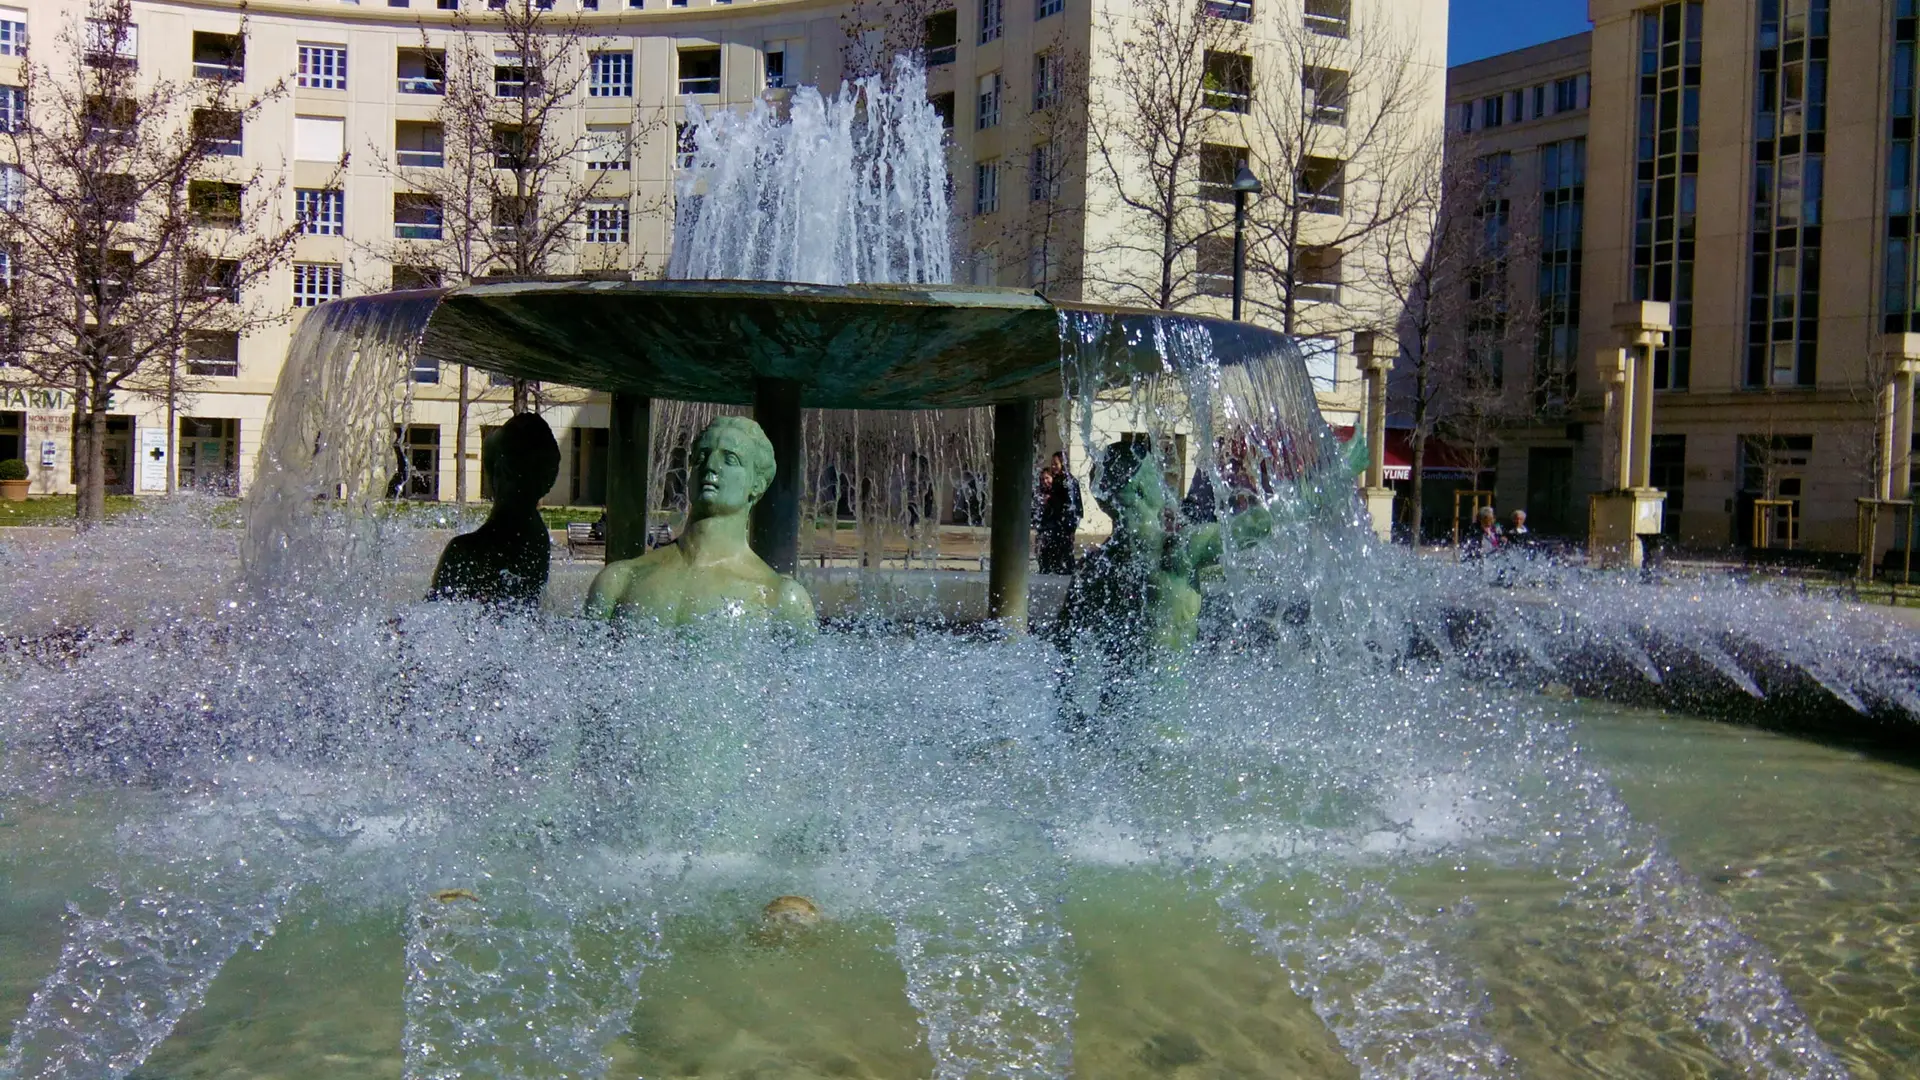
(1815, 849)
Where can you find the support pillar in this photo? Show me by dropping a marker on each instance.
(629, 440)
(775, 534)
(1634, 508)
(1375, 362)
(1012, 540)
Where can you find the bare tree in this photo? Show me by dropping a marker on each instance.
(1447, 269)
(1180, 74)
(130, 231)
(1047, 234)
(1339, 132)
(873, 32)
(501, 182)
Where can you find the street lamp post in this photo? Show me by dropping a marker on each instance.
(1244, 184)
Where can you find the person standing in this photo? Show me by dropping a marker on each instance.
(1059, 514)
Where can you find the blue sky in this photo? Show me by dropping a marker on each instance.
(1482, 28)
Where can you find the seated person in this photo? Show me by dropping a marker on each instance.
(709, 569)
(505, 560)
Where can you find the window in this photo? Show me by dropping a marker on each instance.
(13, 32)
(1667, 167)
(1321, 185)
(321, 211)
(1237, 10)
(315, 283)
(1516, 106)
(512, 77)
(685, 145)
(776, 68)
(986, 188)
(1322, 356)
(509, 146)
(700, 71)
(1228, 83)
(418, 144)
(1042, 164)
(1213, 265)
(13, 107)
(111, 43)
(417, 217)
(942, 37)
(1049, 72)
(607, 223)
(418, 448)
(110, 277)
(117, 195)
(1324, 94)
(319, 138)
(220, 57)
(1570, 93)
(1563, 177)
(1219, 165)
(218, 130)
(1540, 101)
(1493, 111)
(1466, 117)
(610, 74)
(1789, 167)
(110, 119)
(1044, 8)
(943, 107)
(13, 187)
(213, 352)
(415, 277)
(217, 279)
(514, 216)
(991, 12)
(1318, 279)
(607, 148)
(1329, 17)
(323, 67)
(989, 102)
(422, 71)
(214, 202)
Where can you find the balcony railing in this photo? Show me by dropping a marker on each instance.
(219, 70)
(422, 84)
(1237, 10)
(421, 159)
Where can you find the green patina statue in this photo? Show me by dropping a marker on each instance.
(505, 560)
(709, 569)
(1140, 589)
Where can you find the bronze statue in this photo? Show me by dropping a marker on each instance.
(505, 560)
(709, 569)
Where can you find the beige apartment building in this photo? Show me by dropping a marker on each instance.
(359, 85)
(1750, 162)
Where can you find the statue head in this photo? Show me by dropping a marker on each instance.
(1128, 485)
(729, 467)
(521, 460)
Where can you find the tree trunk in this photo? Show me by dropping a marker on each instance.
(173, 424)
(522, 396)
(1417, 478)
(460, 443)
(90, 508)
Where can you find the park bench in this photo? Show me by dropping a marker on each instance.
(582, 544)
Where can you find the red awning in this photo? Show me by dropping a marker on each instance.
(1443, 460)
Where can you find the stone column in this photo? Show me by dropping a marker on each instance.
(775, 524)
(1617, 369)
(1374, 355)
(629, 440)
(1633, 508)
(1012, 540)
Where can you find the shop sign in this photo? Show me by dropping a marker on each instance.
(39, 397)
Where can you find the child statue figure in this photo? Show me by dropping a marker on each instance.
(505, 560)
(709, 569)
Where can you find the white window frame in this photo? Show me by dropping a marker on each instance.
(323, 66)
(1044, 8)
(986, 188)
(13, 33)
(610, 73)
(987, 98)
(607, 149)
(13, 187)
(608, 223)
(13, 107)
(316, 283)
(992, 20)
(320, 211)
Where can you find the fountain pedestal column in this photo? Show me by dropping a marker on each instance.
(1375, 362)
(775, 523)
(1012, 542)
(1634, 508)
(629, 439)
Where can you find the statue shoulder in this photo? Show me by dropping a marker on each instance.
(794, 604)
(610, 585)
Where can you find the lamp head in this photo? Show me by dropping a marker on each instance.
(1244, 180)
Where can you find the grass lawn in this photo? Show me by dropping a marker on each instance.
(56, 509)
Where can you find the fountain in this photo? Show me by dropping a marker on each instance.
(264, 812)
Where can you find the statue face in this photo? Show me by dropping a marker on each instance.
(719, 473)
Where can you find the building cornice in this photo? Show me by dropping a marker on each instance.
(611, 22)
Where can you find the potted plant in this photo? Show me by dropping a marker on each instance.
(13, 480)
